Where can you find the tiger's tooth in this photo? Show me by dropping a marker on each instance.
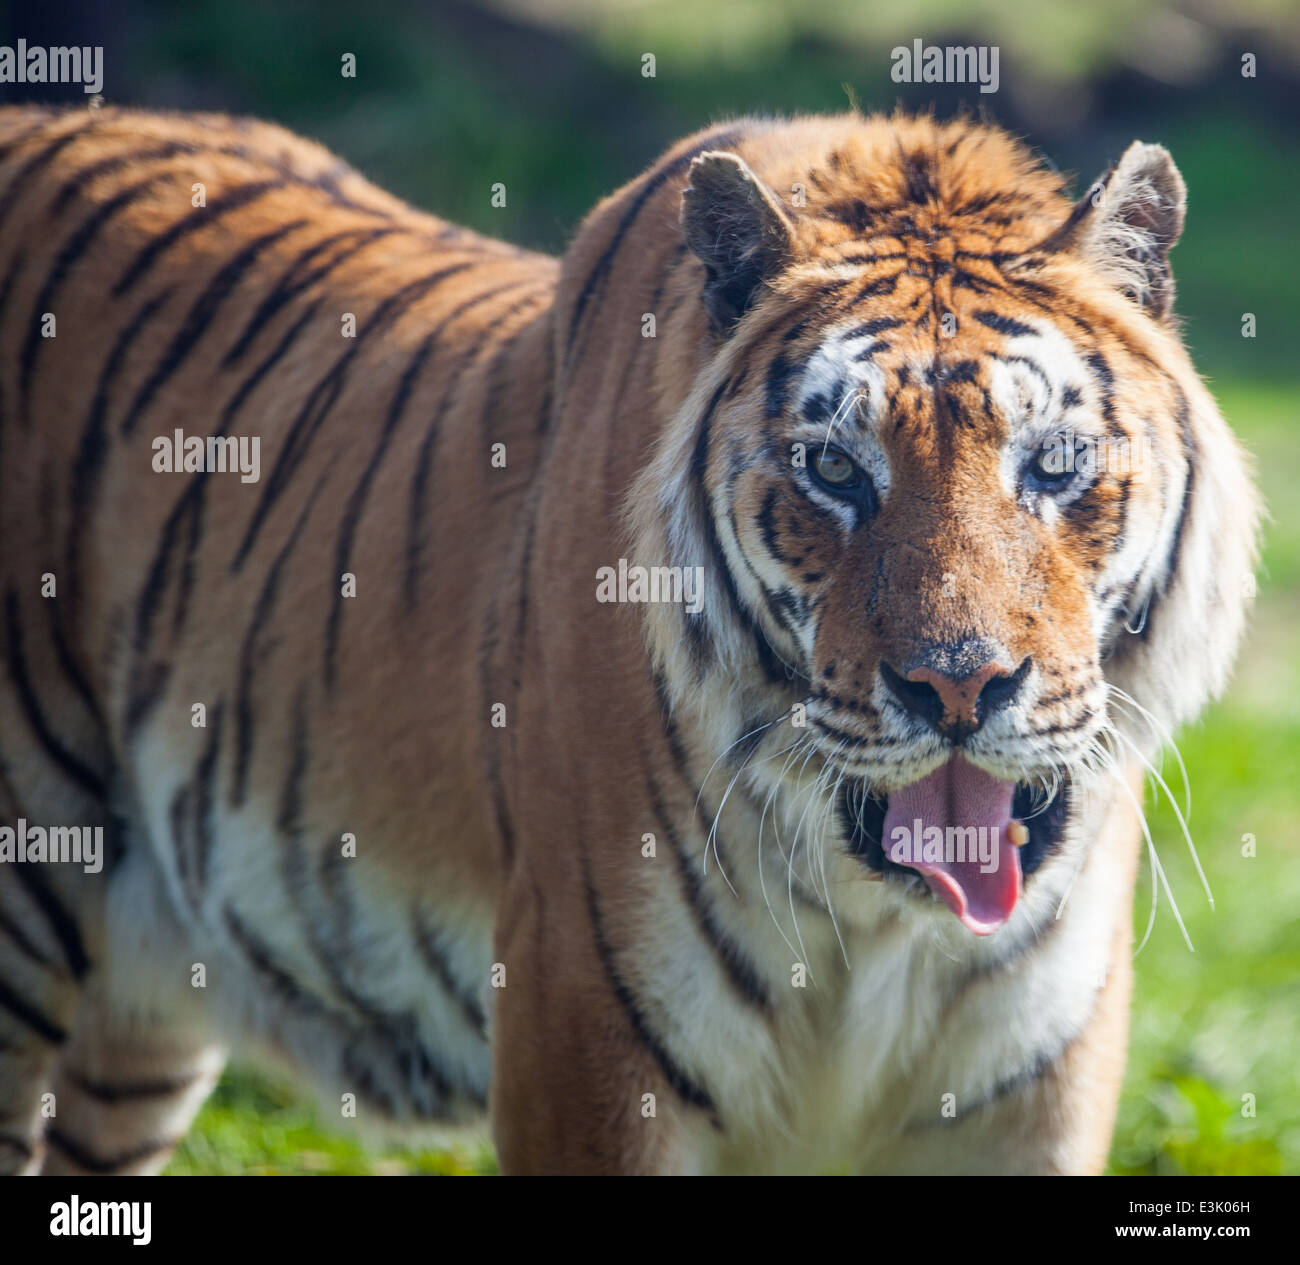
(1017, 834)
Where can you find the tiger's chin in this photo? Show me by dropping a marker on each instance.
(959, 837)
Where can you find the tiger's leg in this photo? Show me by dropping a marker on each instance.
(576, 1087)
(49, 935)
(126, 1088)
(53, 762)
(142, 1056)
(39, 995)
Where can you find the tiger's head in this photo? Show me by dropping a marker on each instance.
(953, 482)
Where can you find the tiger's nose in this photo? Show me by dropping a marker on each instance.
(955, 702)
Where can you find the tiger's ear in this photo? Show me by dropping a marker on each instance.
(1126, 225)
(736, 226)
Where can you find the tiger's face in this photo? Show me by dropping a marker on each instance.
(942, 503)
(945, 537)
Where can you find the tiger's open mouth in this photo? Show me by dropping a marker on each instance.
(955, 830)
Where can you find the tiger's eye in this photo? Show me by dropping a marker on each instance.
(835, 469)
(1056, 464)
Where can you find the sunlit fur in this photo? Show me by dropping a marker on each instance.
(628, 915)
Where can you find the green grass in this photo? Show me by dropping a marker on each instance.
(1224, 1022)
(257, 1125)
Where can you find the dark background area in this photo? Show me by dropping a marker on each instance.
(549, 97)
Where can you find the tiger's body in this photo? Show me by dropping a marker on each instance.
(450, 841)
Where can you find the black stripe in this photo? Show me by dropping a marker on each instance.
(21, 1146)
(653, 182)
(428, 940)
(841, 736)
(356, 502)
(335, 947)
(1031, 365)
(190, 505)
(78, 1153)
(130, 159)
(1061, 238)
(690, 1092)
(205, 797)
(1105, 379)
(198, 218)
(67, 661)
(1174, 557)
(77, 244)
(72, 765)
(199, 317)
(29, 1016)
(880, 286)
(495, 736)
(869, 328)
(1004, 324)
(247, 653)
(272, 975)
(324, 395)
(147, 686)
(487, 652)
(45, 115)
(178, 824)
(699, 481)
(19, 937)
(6, 289)
(777, 383)
(92, 450)
(160, 571)
(1017, 1084)
(42, 158)
(272, 359)
(295, 280)
(736, 965)
(287, 819)
(784, 608)
(424, 455)
(188, 565)
(130, 1091)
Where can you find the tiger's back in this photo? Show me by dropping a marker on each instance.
(193, 657)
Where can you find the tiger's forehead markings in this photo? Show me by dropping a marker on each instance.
(1036, 379)
(843, 366)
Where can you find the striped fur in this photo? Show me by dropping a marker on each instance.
(630, 920)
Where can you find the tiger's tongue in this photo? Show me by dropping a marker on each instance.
(959, 794)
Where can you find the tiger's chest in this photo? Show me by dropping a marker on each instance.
(911, 1057)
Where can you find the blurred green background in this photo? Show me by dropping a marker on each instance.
(548, 96)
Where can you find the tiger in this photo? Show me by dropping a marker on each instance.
(682, 706)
